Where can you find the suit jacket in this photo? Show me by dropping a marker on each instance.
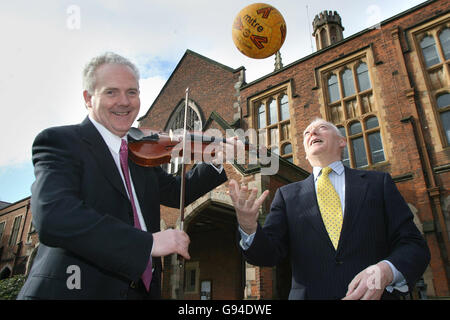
(84, 217)
(377, 225)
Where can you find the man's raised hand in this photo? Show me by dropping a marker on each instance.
(247, 207)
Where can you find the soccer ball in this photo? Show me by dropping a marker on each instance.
(259, 30)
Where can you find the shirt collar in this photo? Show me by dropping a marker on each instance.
(337, 167)
(111, 140)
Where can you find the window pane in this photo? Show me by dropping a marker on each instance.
(324, 38)
(274, 137)
(347, 81)
(351, 106)
(285, 132)
(345, 157)
(336, 114)
(445, 119)
(273, 112)
(193, 120)
(333, 88)
(371, 123)
(363, 77)
(290, 159)
(15, 231)
(262, 116)
(376, 147)
(367, 103)
(284, 107)
(355, 128)
(359, 152)
(275, 150)
(175, 165)
(176, 123)
(192, 278)
(443, 101)
(287, 148)
(444, 37)
(429, 51)
(262, 137)
(333, 34)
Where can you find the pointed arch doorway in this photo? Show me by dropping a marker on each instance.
(216, 268)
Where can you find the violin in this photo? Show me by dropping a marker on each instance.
(151, 148)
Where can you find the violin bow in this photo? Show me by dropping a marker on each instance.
(183, 193)
(183, 163)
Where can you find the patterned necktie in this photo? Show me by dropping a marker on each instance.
(147, 275)
(330, 206)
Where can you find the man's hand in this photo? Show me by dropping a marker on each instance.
(370, 283)
(247, 207)
(170, 241)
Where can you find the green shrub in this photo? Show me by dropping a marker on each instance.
(10, 287)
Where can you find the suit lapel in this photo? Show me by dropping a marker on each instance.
(355, 193)
(102, 154)
(308, 197)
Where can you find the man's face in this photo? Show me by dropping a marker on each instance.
(115, 102)
(322, 143)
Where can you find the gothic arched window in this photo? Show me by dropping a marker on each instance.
(176, 123)
(273, 123)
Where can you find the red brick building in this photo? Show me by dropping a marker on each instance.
(388, 90)
(18, 239)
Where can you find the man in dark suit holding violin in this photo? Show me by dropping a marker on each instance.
(98, 214)
(349, 233)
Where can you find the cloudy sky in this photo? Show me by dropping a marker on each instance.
(45, 45)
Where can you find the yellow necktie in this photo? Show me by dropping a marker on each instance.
(329, 206)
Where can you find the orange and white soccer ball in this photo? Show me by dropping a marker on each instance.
(259, 30)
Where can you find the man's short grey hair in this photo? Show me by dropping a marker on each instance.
(105, 58)
(332, 125)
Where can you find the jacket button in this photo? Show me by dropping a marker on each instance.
(339, 262)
